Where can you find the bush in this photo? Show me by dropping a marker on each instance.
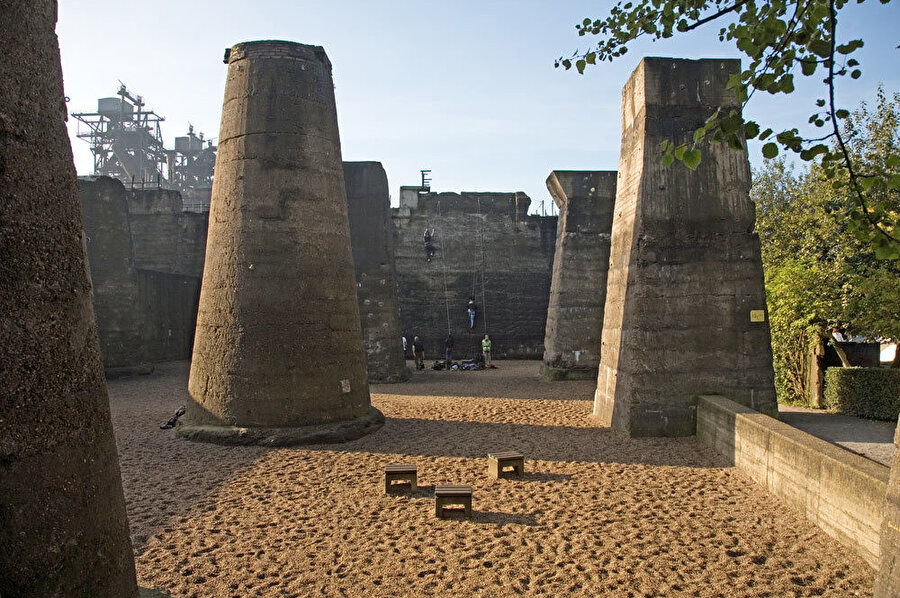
(873, 393)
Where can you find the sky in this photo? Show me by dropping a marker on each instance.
(467, 89)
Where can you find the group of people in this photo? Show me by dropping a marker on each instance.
(418, 349)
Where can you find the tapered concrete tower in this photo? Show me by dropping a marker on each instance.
(578, 289)
(278, 346)
(63, 530)
(685, 307)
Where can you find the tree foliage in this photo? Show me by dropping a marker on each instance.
(782, 39)
(819, 276)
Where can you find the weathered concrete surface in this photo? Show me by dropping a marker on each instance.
(146, 256)
(63, 530)
(372, 242)
(578, 289)
(479, 238)
(685, 269)
(119, 311)
(840, 492)
(887, 584)
(278, 340)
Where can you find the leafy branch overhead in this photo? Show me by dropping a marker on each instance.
(782, 39)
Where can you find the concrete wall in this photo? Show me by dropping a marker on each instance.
(887, 584)
(372, 242)
(486, 243)
(146, 256)
(842, 493)
(113, 276)
(685, 272)
(578, 288)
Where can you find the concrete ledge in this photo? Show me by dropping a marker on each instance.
(556, 374)
(837, 490)
(331, 433)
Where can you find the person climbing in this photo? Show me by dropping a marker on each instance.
(486, 350)
(471, 309)
(403, 340)
(448, 349)
(429, 247)
(419, 353)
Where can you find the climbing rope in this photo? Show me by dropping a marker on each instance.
(443, 268)
(483, 298)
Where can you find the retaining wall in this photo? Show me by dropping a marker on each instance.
(842, 493)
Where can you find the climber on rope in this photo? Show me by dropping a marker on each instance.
(429, 247)
(470, 308)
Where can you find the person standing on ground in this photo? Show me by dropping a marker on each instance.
(419, 353)
(448, 349)
(486, 350)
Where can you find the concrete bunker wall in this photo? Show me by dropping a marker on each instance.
(146, 260)
(372, 243)
(483, 242)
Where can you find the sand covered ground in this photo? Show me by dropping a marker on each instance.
(595, 515)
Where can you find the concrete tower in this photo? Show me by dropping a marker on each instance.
(63, 530)
(372, 239)
(578, 288)
(685, 307)
(278, 344)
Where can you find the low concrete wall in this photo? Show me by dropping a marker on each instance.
(840, 492)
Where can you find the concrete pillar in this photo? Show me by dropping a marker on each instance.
(117, 306)
(578, 288)
(887, 584)
(372, 240)
(685, 307)
(278, 343)
(63, 530)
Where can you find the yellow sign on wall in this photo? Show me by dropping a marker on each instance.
(757, 315)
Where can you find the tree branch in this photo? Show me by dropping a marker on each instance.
(854, 179)
(721, 13)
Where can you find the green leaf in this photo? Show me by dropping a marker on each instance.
(590, 58)
(842, 113)
(692, 159)
(699, 134)
(668, 159)
(580, 64)
(770, 150)
(855, 74)
(765, 134)
(679, 152)
(734, 142)
(751, 129)
(808, 67)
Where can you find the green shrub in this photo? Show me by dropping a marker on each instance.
(864, 392)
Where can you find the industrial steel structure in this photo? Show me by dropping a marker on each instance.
(127, 144)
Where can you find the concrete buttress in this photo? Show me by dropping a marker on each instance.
(685, 310)
(578, 288)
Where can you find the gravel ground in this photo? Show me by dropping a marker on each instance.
(595, 514)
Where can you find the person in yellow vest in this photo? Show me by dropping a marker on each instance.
(486, 350)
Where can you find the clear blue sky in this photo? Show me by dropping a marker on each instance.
(467, 89)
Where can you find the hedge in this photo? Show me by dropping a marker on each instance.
(873, 393)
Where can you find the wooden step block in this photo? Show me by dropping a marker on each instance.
(400, 472)
(499, 462)
(457, 495)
